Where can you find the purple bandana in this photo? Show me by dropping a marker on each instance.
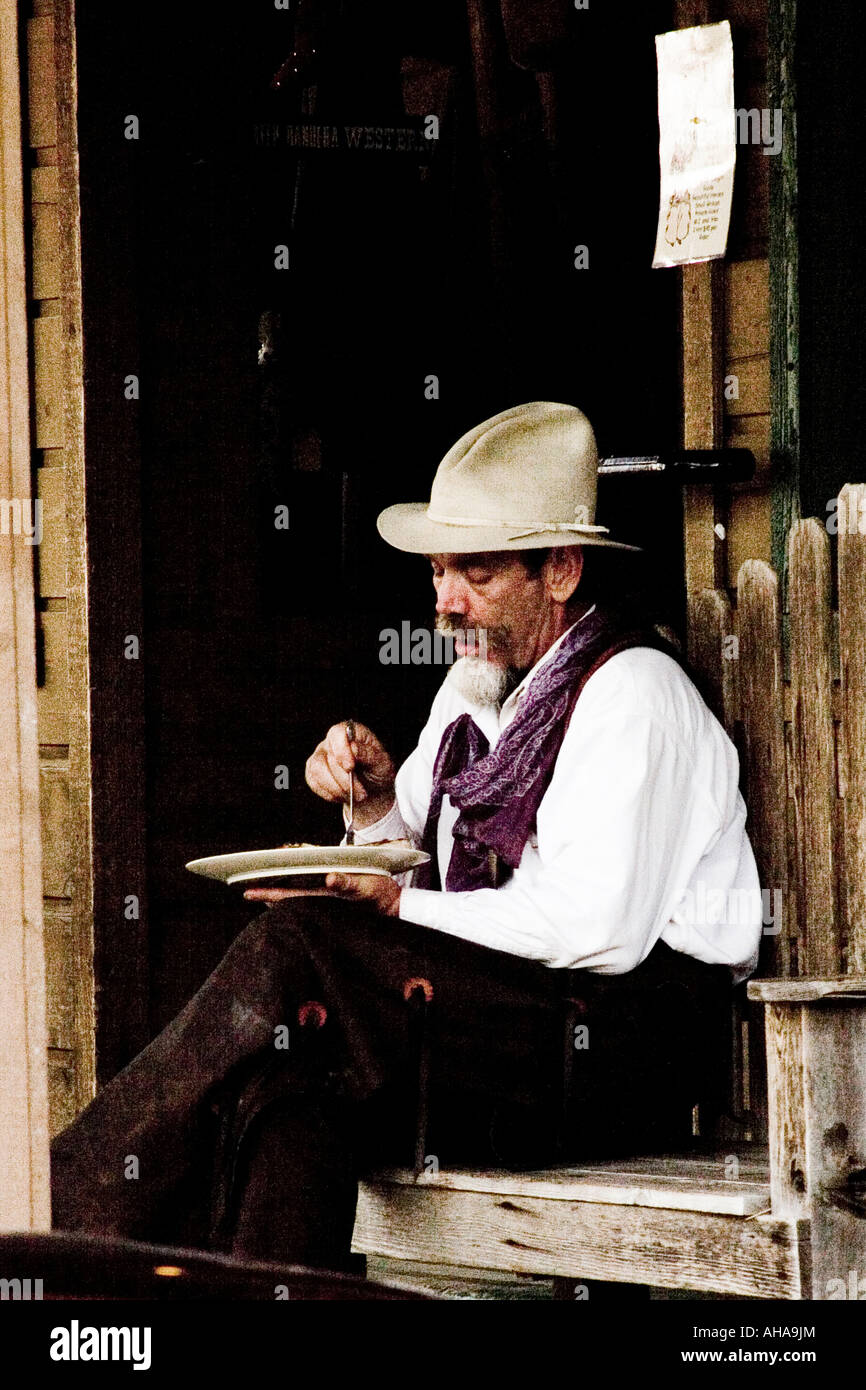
(498, 793)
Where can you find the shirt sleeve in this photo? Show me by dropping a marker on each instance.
(621, 829)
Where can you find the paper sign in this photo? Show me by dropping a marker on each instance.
(697, 145)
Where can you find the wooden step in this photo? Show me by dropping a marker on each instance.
(678, 1221)
(678, 1182)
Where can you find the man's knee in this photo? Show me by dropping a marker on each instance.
(305, 917)
(276, 925)
(286, 932)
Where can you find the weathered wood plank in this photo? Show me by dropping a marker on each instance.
(61, 1089)
(747, 308)
(702, 309)
(59, 975)
(813, 745)
(803, 991)
(783, 73)
(749, 531)
(77, 543)
(54, 805)
(41, 82)
(833, 1096)
(751, 432)
(51, 485)
(817, 1080)
(715, 653)
(674, 1183)
(852, 658)
(52, 702)
(784, 1037)
(45, 268)
(24, 1177)
(48, 381)
(752, 393)
(703, 427)
(754, 1257)
(44, 184)
(762, 712)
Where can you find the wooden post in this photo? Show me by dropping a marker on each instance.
(703, 314)
(816, 1071)
(24, 1181)
(784, 280)
(703, 339)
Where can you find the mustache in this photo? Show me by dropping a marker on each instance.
(451, 624)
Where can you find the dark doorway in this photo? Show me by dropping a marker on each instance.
(309, 387)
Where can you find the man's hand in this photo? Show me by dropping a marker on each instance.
(337, 762)
(380, 891)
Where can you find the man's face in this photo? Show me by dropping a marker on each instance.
(494, 592)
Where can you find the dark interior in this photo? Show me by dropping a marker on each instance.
(304, 388)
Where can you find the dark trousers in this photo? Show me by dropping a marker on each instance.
(294, 1070)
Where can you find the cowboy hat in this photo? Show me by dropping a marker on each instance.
(524, 479)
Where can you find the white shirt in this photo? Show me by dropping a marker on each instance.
(640, 834)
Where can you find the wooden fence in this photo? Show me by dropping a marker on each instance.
(796, 709)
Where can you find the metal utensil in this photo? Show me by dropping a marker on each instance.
(350, 829)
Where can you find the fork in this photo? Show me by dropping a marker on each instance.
(350, 829)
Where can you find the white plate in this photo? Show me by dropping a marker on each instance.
(312, 859)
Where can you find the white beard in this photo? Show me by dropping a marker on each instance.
(479, 681)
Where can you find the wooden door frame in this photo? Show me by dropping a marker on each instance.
(25, 1202)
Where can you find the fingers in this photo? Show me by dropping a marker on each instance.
(271, 896)
(330, 780)
(365, 750)
(339, 749)
(379, 890)
(336, 761)
(326, 776)
(353, 885)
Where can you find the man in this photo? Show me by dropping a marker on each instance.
(547, 988)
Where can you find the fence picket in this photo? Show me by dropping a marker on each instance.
(762, 709)
(812, 747)
(852, 751)
(713, 656)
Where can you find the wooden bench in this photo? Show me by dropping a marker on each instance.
(779, 1211)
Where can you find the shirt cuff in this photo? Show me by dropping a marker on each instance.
(391, 826)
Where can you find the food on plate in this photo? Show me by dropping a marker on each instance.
(368, 844)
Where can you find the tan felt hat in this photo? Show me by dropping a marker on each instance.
(524, 479)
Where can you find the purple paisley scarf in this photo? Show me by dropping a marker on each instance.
(498, 793)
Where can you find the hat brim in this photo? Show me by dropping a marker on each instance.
(407, 526)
